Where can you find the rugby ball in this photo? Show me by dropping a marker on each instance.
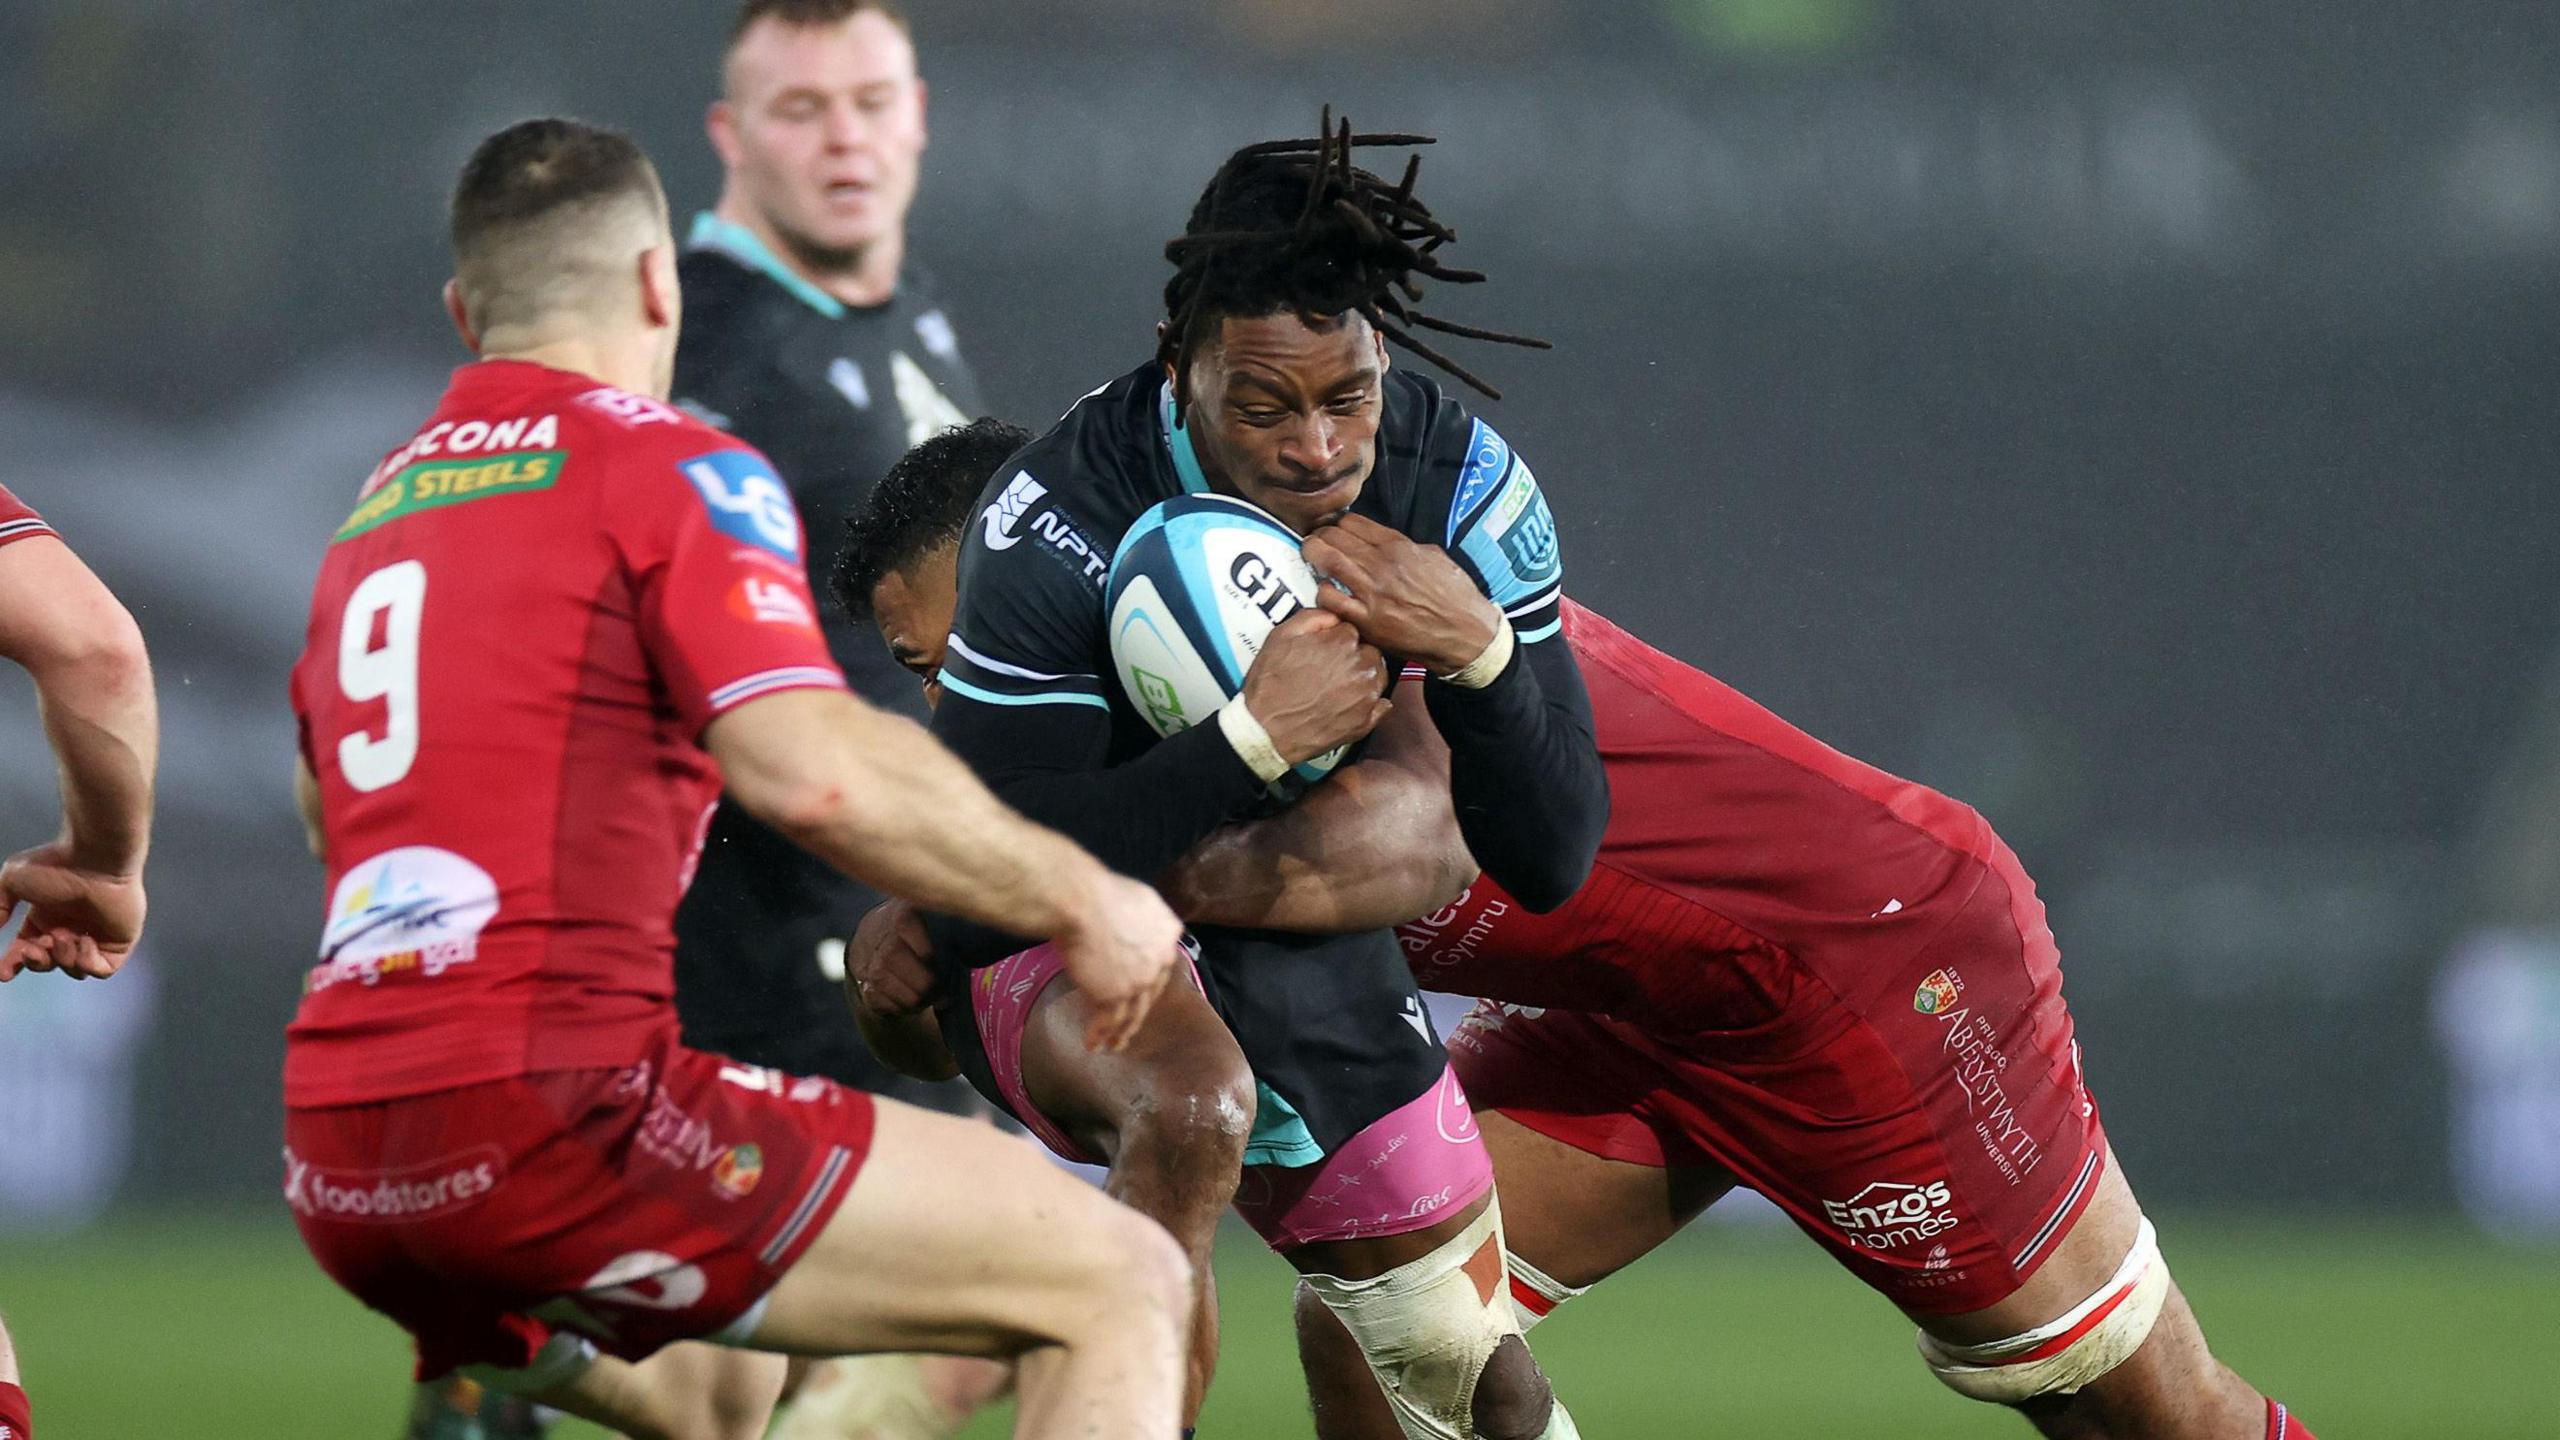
(1197, 585)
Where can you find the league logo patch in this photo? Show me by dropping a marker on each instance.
(1937, 992)
(748, 502)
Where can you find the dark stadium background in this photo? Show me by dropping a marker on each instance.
(2138, 420)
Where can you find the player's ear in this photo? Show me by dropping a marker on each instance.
(720, 123)
(924, 132)
(460, 314)
(660, 296)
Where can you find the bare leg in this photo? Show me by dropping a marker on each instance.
(1574, 1216)
(891, 1397)
(959, 1240)
(2170, 1389)
(690, 1391)
(1171, 1113)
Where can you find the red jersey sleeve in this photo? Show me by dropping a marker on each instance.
(724, 601)
(17, 521)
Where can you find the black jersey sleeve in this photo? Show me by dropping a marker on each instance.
(1532, 799)
(1025, 704)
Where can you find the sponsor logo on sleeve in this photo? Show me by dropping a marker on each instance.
(771, 602)
(1888, 1214)
(748, 502)
(1526, 528)
(416, 910)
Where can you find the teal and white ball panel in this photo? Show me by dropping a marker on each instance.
(1198, 584)
(1160, 666)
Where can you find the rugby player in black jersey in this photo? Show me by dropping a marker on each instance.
(810, 333)
(1272, 383)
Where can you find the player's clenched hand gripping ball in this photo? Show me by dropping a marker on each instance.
(1209, 599)
(1408, 599)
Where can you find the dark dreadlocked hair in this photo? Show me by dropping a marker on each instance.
(924, 500)
(1293, 225)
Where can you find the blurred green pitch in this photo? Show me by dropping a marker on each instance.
(221, 1329)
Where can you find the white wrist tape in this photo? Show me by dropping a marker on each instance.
(2059, 1358)
(1487, 667)
(1252, 743)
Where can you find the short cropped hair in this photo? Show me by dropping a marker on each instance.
(528, 195)
(802, 13)
(924, 501)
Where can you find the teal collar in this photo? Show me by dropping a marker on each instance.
(739, 243)
(1177, 443)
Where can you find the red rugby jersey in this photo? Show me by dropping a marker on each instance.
(17, 521)
(1732, 835)
(517, 638)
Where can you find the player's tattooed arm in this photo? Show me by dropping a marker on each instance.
(1375, 845)
(873, 795)
(93, 682)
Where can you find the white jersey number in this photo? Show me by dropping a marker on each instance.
(388, 672)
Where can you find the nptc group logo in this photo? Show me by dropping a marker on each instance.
(1938, 991)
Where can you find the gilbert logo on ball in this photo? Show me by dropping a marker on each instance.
(1196, 588)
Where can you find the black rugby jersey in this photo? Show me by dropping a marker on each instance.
(1330, 1023)
(833, 394)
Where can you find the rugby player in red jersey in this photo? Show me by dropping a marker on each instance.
(560, 618)
(82, 890)
(1789, 970)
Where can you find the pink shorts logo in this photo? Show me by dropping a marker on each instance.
(1455, 1117)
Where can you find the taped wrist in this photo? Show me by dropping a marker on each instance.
(2059, 1358)
(1252, 743)
(1428, 1326)
(1488, 666)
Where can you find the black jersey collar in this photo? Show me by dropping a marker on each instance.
(739, 243)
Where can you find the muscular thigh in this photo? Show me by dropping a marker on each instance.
(1591, 1172)
(1182, 1056)
(955, 1238)
(1580, 1217)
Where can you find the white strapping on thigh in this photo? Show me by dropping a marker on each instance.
(2059, 1358)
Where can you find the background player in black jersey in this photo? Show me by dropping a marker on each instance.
(1272, 383)
(809, 333)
